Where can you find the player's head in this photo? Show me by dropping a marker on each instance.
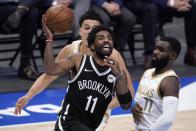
(167, 50)
(101, 40)
(90, 15)
(88, 21)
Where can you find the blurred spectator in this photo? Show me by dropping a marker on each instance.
(115, 12)
(10, 15)
(24, 17)
(80, 7)
(146, 12)
(186, 9)
(23, 9)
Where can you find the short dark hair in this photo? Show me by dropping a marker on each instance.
(94, 31)
(92, 15)
(173, 43)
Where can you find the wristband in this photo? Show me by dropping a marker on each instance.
(124, 98)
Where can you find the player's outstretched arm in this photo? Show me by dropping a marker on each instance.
(52, 67)
(40, 84)
(45, 80)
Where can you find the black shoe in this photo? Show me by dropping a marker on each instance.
(28, 73)
(12, 22)
(190, 59)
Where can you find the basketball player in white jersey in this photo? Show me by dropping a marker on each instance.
(88, 21)
(156, 99)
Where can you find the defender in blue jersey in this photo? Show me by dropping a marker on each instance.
(94, 81)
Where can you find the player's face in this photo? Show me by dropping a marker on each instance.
(161, 55)
(86, 28)
(103, 44)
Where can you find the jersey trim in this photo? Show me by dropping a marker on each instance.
(160, 75)
(76, 46)
(96, 70)
(59, 124)
(79, 71)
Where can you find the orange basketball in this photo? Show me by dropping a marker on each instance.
(59, 18)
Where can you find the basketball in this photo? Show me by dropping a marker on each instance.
(59, 18)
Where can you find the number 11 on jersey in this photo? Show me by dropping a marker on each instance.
(91, 100)
(148, 105)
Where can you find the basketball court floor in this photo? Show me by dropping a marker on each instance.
(41, 112)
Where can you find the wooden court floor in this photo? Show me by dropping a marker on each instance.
(185, 121)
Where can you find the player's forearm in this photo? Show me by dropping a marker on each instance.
(170, 105)
(128, 77)
(40, 84)
(49, 60)
(122, 92)
(122, 87)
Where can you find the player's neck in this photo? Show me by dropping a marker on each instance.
(159, 71)
(98, 60)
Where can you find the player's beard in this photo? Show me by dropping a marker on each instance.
(159, 63)
(101, 54)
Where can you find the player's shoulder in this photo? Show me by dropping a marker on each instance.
(77, 56)
(169, 73)
(148, 72)
(172, 73)
(170, 76)
(70, 47)
(68, 50)
(64, 52)
(76, 42)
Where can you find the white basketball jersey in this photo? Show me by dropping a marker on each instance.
(148, 96)
(76, 46)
